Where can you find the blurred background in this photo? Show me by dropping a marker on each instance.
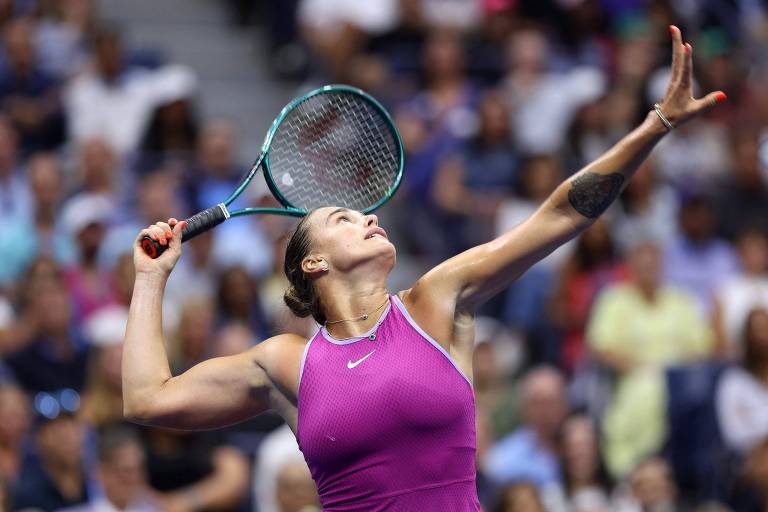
(627, 371)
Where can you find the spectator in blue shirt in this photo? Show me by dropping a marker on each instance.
(529, 453)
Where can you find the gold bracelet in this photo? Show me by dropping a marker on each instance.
(667, 123)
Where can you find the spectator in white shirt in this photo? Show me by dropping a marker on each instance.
(116, 103)
(542, 110)
(742, 292)
(741, 398)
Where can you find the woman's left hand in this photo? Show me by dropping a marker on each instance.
(678, 104)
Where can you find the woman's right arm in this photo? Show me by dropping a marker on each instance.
(214, 393)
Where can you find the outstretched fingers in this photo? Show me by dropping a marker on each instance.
(710, 100)
(687, 71)
(677, 53)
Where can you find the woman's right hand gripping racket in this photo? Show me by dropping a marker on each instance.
(335, 145)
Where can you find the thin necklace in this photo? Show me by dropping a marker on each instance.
(358, 318)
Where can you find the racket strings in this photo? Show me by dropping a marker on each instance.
(334, 148)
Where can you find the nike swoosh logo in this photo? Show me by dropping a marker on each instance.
(350, 364)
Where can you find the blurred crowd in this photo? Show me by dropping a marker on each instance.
(626, 371)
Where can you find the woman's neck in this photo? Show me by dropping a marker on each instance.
(349, 307)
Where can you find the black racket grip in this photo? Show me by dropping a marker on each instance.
(196, 224)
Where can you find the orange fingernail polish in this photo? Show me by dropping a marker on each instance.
(672, 29)
(721, 96)
(168, 234)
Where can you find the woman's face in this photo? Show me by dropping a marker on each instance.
(494, 118)
(522, 498)
(579, 450)
(348, 239)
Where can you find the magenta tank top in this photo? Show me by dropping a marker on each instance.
(386, 421)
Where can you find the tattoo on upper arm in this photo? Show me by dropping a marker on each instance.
(591, 193)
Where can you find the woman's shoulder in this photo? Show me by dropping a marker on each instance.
(280, 358)
(278, 348)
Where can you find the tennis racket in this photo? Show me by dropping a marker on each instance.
(335, 145)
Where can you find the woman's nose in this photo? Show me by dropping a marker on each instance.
(371, 220)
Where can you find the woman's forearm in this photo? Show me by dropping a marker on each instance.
(145, 365)
(588, 193)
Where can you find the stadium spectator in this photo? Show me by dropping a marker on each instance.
(238, 301)
(98, 173)
(171, 133)
(115, 102)
(337, 29)
(529, 453)
(541, 113)
(197, 272)
(751, 494)
(102, 397)
(697, 260)
(215, 171)
(43, 233)
(55, 477)
(15, 200)
(194, 339)
(60, 37)
(651, 487)
(471, 184)
(589, 134)
(121, 474)
(28, 94)
(498, 354)
(648, 210)
(741, 201)
(586, 486)
(86, 217)
(194, 470)
(740, 293)
(15, 441)
(50, 352)
(742, 393)
(520, 497)
(636, 329)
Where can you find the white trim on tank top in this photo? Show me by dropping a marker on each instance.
(346, 341)
(426, 336)
(303, 360)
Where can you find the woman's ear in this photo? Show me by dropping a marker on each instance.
(314, 265)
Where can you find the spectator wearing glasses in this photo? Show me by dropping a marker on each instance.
(54, 476)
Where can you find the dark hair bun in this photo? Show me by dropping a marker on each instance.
(300, 307)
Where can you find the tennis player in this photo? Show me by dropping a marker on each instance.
(381, 399)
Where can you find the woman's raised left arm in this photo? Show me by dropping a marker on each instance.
(473, 276)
